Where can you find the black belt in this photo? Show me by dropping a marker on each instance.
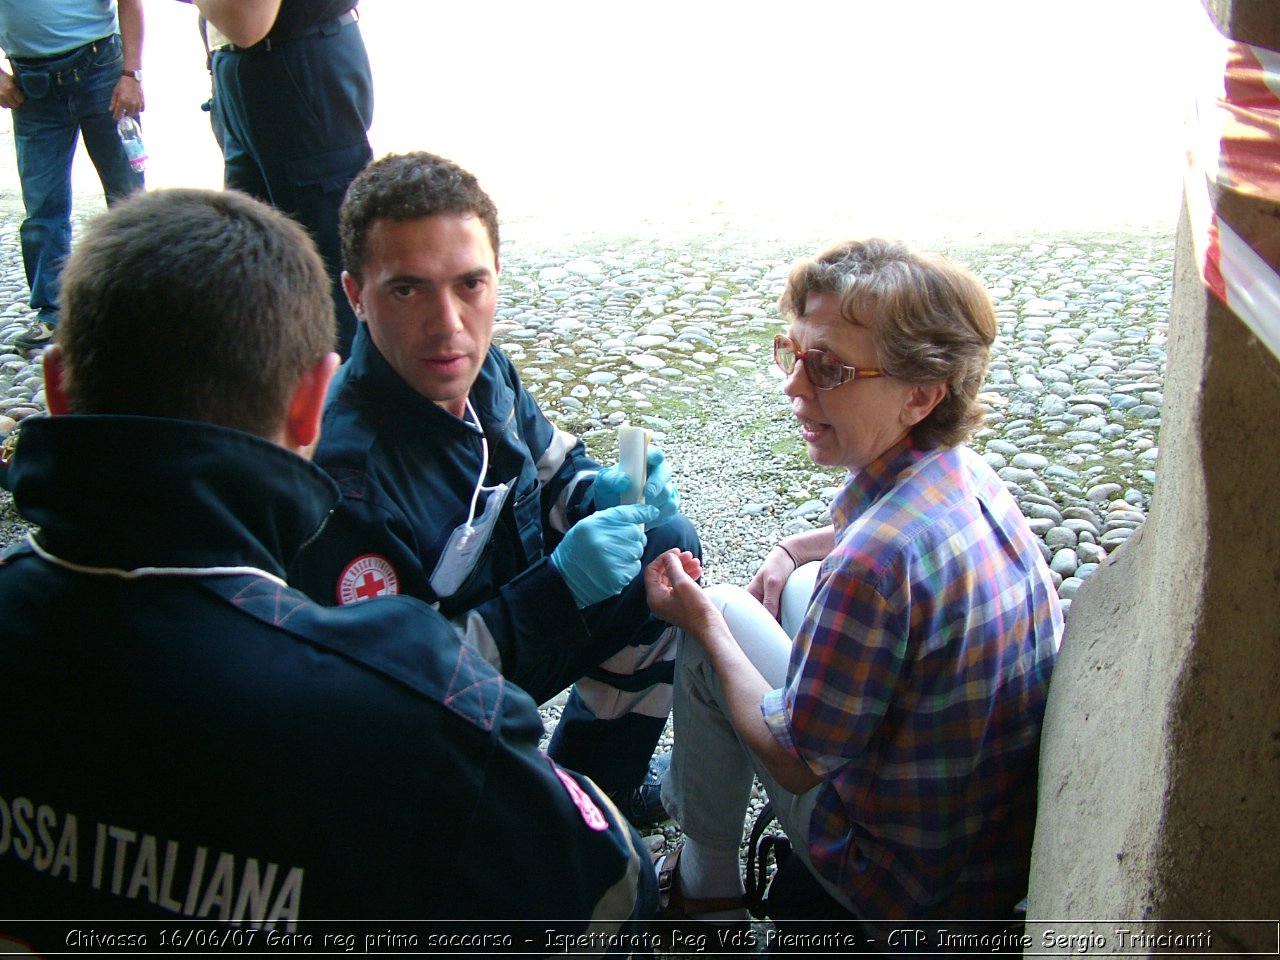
(326, 28)
(72, 54)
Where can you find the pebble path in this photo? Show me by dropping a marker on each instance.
(675, 335)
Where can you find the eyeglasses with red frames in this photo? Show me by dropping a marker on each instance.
(824, 370)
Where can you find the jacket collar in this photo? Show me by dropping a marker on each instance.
(368, 375)
(134, 492)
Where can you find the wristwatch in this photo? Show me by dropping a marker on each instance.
(136, 74)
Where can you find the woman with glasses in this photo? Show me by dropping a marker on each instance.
(893, 715)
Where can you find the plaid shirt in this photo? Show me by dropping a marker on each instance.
(917, 686)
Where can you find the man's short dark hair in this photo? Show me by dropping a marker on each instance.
(405, 187)
(193, 304)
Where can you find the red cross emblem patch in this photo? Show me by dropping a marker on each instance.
(367, 577)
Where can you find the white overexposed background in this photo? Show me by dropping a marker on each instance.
(911, 117)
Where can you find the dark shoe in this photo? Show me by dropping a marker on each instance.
(642, 805)
(39, 334)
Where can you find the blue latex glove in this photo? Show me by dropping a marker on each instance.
(659, 488)
(601, 553)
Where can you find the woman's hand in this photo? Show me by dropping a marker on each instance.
(783, 560)
(766, 586)
(670, 583)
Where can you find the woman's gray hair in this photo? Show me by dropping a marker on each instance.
(935, 323)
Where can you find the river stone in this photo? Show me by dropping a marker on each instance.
(1064, 562)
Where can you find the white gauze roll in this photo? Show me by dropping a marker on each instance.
(633, 449)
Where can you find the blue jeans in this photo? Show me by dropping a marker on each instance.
(65, 95)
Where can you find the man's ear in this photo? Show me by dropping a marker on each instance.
(55, 388)
(921, 401)
(351, 286)
(306, 407)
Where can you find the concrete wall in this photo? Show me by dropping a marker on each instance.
(1160, 760)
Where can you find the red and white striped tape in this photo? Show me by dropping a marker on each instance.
(1236, 144)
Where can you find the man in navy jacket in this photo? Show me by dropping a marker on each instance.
(458, 490)
(188, 738)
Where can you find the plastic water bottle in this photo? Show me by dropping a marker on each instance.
(131, 138)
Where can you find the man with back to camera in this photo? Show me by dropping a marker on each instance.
(187, 735)
(76, 70)
(458, 490)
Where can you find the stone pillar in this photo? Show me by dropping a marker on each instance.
(1160, 758)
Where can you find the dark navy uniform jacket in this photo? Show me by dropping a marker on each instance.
(186, 736)
(407, 470)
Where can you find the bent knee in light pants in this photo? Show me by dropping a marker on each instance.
(765, 641)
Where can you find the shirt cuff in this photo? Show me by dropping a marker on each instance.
(774, 708)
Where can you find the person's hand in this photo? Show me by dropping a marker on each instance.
(766, 586)
(10, 93)
(611, 483)
(670, 584)
(601, 553)
(659, 488)
(127, 97)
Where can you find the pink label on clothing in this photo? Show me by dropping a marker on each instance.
(591, 814)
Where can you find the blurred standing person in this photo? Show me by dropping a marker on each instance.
(292, 102)
(76, 68)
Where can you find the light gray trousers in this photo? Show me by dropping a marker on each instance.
(709, 783)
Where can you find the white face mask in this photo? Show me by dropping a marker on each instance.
(468, 539)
